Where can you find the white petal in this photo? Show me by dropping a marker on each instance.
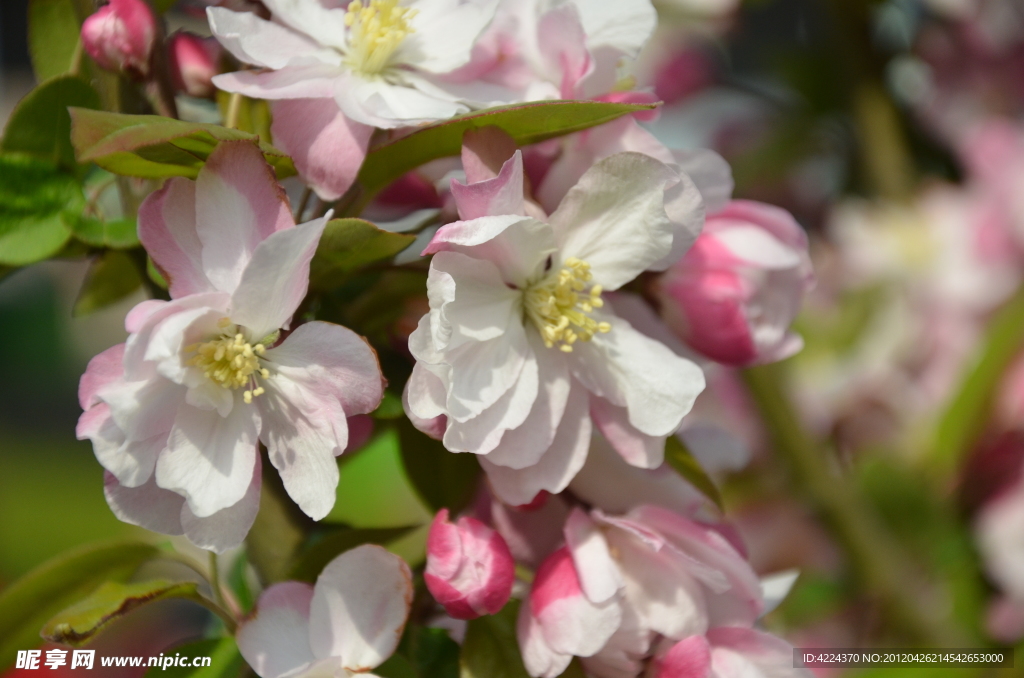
(256, 41)
(147, 506)
(483, 371)
(614, 218)
(629, 369)
(518, 247)
(538, 657)
(468, 301)
(598, 573)
(622, 26)
(445, 31)
(382, 104)
(711, 175)
(638, 449)
(145, 408)
(326, 26)
(360, 604)
(226, 529)
(757, 247)
(559, 464)
(210, 459)
(275, 640)
(299, 81)
(276, 278)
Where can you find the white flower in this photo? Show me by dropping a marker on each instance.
(518, 357)
(176, 414)
(380, 60)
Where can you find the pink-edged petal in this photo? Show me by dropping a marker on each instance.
(625, 653)
(608, 482)
(275, 639)
(328, 148)
(755, 246)
(524, 445)
(275, 280)
(104, 368)
(210, 459)
(538, 657)
(614, 218)
(599, 575)
(741, 602)
(256, 41)
(423, 400)
(638, 449)
(775, 220)
(739, 652)
(360, 604)
(571, 623)
(485, 152)
(144, 408)
(147, 506)
(559, 464)
(634, 371)
(659, 588)
(689, 658)
(130, 461)
(563, 46)
(136, 366)
(300, 81)
(167, 229)
(500, 195)
(518, 246)
(239, 204)
(226, 529)
(141, 313)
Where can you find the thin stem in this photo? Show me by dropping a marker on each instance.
(229, 621)
(76, 58)
(881, 563)
(218, 593)
(303, 203)
(234, 111)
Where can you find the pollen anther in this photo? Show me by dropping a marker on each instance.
(559, 305)
(376, 29)
(231, 362)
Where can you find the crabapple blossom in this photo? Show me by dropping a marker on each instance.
(193, 62)
(734, 294)
(727, 653)
(469, 567)
(518, 357)
(346, 624)
(621, 582)
(120, 36)
(176, 414)
(336, 72)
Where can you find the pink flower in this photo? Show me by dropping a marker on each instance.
(193, 63)
(736, 292)
(727, 653)
(620, 582)
(176, 414)
(345, 625)
(469, 567)
(119, 37)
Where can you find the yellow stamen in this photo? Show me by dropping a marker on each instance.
(559, 306)
(231, 361)
(376, 29)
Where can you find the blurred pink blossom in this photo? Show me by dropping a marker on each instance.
(120, 37)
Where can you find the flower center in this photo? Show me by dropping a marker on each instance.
(559, 306)
(232, 362)
(376, 29)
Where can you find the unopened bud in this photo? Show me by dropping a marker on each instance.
(193, 63)
(120, 36)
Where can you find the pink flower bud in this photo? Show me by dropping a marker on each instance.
(193, 63)
(119, 37)
(735, 293)
(469, 568)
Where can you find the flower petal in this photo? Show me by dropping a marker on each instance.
(689, 658)
(360, 604)
(328, 148)
(598, 574)
(445, 32)
(226, 529)
(276, 278)
(710, 173)
(638, 449)
(423, 399)
(739, 652)
(275, 640)
(632, 370)
(469, 301)
(538, 657)
(167, 229)
(624, 27)
(147, 506)
(326, 25)
(255, 41)
(104, 368)
(379, 103)
(518, 247)
(614, 218)
(238, 205)
(559, 464)
(210, 459)
(500, 195)
(314, 80)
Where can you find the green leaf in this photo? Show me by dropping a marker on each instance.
(225, 661)
(120, 234)
(154, 147)
(41, 125)
(112, 277)
(526, 123)
(424, 652)
(682, 460)
(53, 30)
(443, 479)
(490, 649)
(34, 198)
(315, 558)
(76, 625)
(26, 604)
(390, 407)
(349, 244)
